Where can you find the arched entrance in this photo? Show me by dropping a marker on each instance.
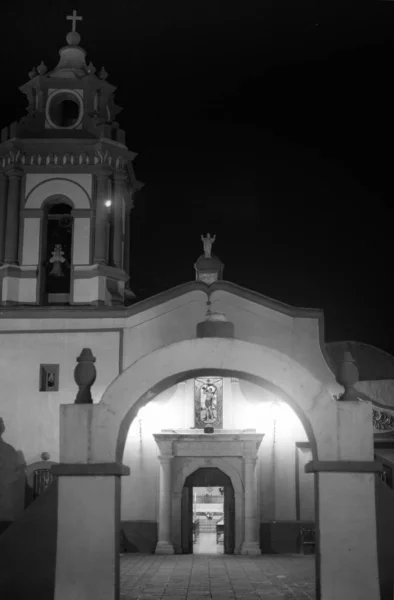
(340, 433)
(205, 478)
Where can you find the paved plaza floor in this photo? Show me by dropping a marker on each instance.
(217, 577)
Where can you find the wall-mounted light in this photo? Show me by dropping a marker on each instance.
(108, 203)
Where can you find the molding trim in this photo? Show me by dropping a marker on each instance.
(25, 272)
(343, 466)
(89, 469)
(305, 445)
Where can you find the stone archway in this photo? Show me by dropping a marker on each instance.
(234, 477)
(208, 476)
(340, 433)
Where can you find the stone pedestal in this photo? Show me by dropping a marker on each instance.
(87, 555)
(251, 543)
(346, 531)
(164, 544)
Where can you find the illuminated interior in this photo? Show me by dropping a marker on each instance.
(208, 520)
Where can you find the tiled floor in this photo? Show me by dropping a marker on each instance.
(206, 544)
(217, 577)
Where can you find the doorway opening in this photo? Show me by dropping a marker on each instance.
(208, 513)
(208, 520)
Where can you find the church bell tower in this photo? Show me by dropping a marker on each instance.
(66, 190)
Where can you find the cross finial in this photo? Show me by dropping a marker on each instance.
(74, 18)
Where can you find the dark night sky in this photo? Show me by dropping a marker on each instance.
(267, 122)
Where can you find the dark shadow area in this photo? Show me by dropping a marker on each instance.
(28, 551)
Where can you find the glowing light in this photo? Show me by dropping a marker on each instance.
(142, 413)
(108, 203)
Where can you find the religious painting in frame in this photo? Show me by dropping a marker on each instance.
(208, 402)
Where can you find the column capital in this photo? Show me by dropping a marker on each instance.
(165, 458)
(343, 466)
(14, 173)
(120, 176)
(250, 460)
(103, 173)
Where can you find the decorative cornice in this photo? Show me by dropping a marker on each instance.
(89, 469)
(343, 466)
(92, 158)
(382, 421)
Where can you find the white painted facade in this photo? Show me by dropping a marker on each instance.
(285, 491)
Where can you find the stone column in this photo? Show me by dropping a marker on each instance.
(12, 221)
(164, 544)
(3, 213)
(251, 543)
(346, 554)
(101, 224)
(119, 182)
(127, 241)
(88, 526)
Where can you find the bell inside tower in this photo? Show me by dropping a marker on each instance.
(56, 254)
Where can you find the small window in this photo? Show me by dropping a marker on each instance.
(49, 378)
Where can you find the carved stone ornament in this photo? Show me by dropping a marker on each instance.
(208, 241)
(85, 376)
(42, 68)
(97, 157)
(382, 420)
(103, 73)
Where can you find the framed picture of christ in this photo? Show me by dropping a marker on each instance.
(208, 402)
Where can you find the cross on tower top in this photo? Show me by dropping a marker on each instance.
(74, 18)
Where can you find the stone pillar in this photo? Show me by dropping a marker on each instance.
(164, 544)
(88, 526)
(3, 213)
(12, 221)
(119, 183)
(127, 241)
(101, 224)
(346, 530)
(251, 543)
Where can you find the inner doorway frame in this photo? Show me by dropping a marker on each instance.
(207, 477)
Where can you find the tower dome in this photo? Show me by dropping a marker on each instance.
(72, 64)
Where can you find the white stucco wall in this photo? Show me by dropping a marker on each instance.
(81, 241)
(32, 417)
(31, 241)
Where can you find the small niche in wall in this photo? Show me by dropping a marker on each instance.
(49, 378)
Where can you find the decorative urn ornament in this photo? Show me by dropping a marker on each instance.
(85, 376)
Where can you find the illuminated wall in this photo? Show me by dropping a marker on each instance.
(285, 491)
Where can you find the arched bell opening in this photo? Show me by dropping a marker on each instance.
(56, 252)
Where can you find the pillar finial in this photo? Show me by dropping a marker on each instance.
(85, 376)
(348, 376)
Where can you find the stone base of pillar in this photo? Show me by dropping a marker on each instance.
(251, 548)
(164, 548)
